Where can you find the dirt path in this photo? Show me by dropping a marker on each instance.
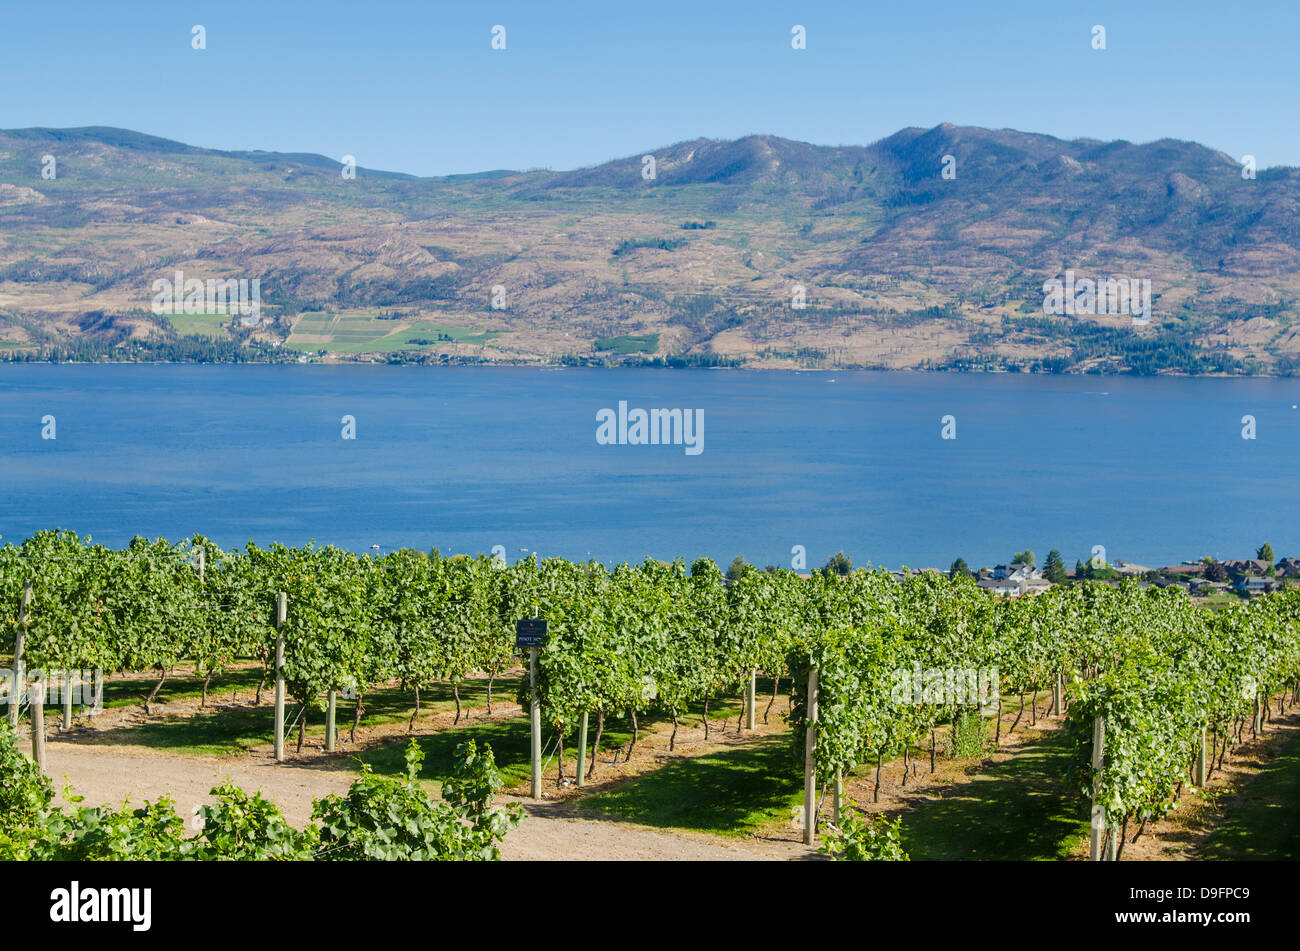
(553, 830)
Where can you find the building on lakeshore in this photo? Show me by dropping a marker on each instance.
(1014, 587)
(1254, 585)
(1016, 572)
(1288, 568)
(1248, 566)
(1001, 587)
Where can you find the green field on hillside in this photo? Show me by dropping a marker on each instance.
(200, 325)
(363, 333)
(646, 343)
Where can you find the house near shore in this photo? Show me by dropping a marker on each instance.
(1016, 572)
(1248, 566)
(1001, 587)
(1014, 587)
(1254, 585)
(1288, 568)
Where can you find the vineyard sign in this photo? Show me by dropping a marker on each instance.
(530, 632)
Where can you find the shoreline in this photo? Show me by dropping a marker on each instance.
(525, 365)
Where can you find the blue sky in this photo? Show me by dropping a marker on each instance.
(415, 86)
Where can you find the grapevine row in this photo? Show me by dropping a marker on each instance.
(1161, 672)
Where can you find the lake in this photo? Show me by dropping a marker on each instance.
(465, 459)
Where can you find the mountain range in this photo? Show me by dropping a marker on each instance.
(929, 249)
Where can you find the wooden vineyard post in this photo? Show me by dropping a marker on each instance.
(1200, 762)
(16, 682)
(839, 796)
(810, 764)
(749, 700)
(19, 680)
(330, 732)
(38, 721)
(534, 725)
(1057, 695)
(1098, 834)
(281, 613)
(582, 749)
(200, 665)
(65, 685)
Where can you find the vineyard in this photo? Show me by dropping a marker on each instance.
(1154, 689)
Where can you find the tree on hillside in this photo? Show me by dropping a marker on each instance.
(737, 568)
(1214, 571)
(1026, 557)
(1054, 569)
(838, 564)
(959, 569)
(1265, 553)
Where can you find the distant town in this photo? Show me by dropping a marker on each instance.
(1204, 580)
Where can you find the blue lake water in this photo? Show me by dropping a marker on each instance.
(1155, 470)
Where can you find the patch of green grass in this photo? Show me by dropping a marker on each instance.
(731, 792)
(410, 339)
(184, 686)
(1018, 810)
(393, 704)
(200, 325)
(482, 336)
(511, 747)
(1263, 822)
(510, 738)
(647, 343)
(1220, 600)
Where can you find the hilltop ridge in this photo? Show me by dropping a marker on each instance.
(694, 261)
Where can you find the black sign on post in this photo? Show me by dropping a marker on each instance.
(530, 632)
